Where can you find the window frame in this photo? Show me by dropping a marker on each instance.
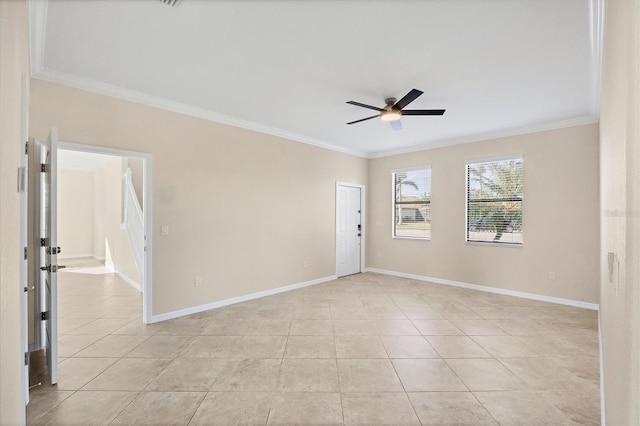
(505, 199)
(426, 167)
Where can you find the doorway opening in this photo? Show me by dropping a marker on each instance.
(91, 203)
(122, 213)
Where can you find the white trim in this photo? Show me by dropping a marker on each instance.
(411, 169)
(542, 127)
(239, 299)
(146, 276)
(38, 10)
(363, 226)
(487, 289)
(180, 108)
(394, 237)
(602, 416)
(426, 167)
(76, 256)
(494, 159)
(597, 15)
(128, 280)
(71, 146)
(491, 243)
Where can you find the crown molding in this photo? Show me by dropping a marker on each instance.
(38, 10)
(180, 108)
(597, 13)
(542, 127)
(37, 33)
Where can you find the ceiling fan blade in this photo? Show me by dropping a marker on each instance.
(396, 125)
(423, 112)
(364, 105)
(364, 119)
(408, 98)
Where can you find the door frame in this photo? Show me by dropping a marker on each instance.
(363, 222)
(146, 284)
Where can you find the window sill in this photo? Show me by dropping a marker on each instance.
(486, 243)
(410, 238)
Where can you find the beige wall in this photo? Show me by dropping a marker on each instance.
(245, 210)
(75, 212)
(620, 213)
(14, 63)
(560, 217)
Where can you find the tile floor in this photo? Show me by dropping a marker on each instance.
(365, 349)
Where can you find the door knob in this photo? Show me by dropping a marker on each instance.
(52, 268)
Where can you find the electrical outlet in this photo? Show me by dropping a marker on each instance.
(552, 276)
(198, 282)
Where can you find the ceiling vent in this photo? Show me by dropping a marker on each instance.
(172, 3)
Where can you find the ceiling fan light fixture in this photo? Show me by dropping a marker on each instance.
(390, 115)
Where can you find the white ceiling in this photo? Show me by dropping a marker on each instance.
(84, 161)
(498, 67)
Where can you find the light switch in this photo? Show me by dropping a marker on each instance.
(164, 230)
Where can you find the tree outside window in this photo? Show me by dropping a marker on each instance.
(494, 201)
(412, 203)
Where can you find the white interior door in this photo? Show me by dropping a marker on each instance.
(46, 262)
(24, 218)
(348, 230)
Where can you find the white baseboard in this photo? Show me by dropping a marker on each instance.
(542, 298)
(80, 256)
(239, 299)
(74, 256)
(128, 280)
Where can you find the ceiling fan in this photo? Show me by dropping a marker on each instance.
(394, 110)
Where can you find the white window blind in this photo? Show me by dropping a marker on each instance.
(494, 201)
(412, 203)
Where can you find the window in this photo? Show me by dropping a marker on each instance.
(494, 201)
(412, 203)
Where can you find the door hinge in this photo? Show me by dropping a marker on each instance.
(44, 242)
(26, 148)
(44, 316)
(54, 250)
(26, 358)
(22, 179)
(25, 253)
(44, 168)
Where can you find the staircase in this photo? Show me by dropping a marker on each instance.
(134, 221)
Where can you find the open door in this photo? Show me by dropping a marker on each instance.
(46, 251)
(24, 238)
